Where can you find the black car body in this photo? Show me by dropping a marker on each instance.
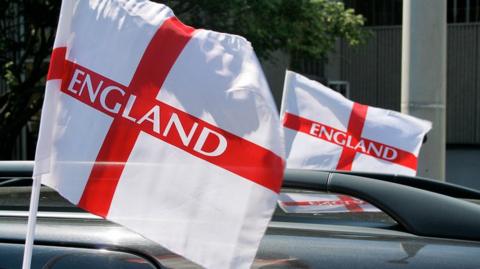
(67, 237)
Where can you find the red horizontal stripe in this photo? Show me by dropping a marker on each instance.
(57, 60)
(241, 156)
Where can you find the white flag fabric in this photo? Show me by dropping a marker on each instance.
(324, 130)
(168, 130)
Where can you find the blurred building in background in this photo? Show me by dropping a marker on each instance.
(373, 74)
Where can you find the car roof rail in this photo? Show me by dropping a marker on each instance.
(16, 168)
(418, 211)
(422, 208)
(422, 183)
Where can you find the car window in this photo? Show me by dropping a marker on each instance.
(329, 208)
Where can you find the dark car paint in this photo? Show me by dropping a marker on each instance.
(52, 257)
(340, 243)
(286, 244)
(340, 240)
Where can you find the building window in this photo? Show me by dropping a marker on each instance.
(461, 11)
(389, 12)
(378, 12)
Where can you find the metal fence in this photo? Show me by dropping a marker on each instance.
(374, 73)
(373, 70)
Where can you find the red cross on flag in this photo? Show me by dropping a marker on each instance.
(324, 130)
(168, 130)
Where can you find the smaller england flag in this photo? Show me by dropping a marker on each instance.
(324, 130)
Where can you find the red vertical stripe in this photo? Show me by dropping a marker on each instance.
(155, 64)
(98, 193)
(57, 63)
(257, 164)
(355, 128)
(159, 57)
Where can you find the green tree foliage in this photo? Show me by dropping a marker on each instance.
(306, 27)
(27, 27)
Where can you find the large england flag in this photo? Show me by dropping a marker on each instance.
(324, 130)
(168, 130)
